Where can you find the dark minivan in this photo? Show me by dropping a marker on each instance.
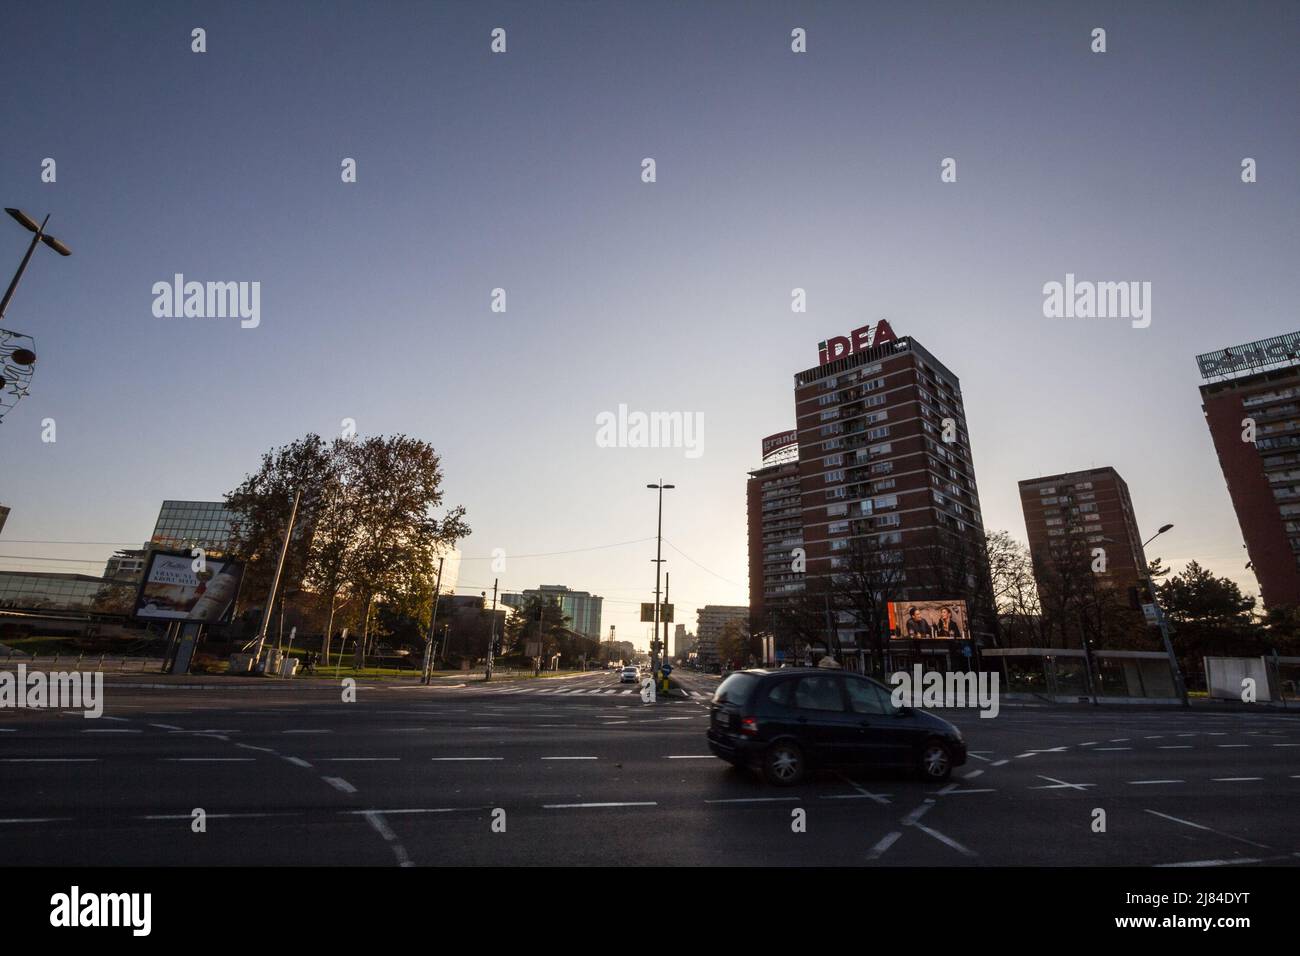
(786, 722)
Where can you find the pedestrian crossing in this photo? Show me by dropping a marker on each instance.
(560, 691)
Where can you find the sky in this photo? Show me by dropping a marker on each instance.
(522, 171)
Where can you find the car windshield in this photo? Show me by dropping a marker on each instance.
(735, 688)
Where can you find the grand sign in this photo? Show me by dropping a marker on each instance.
(774, 443)
(1252, 355)
(867, 337)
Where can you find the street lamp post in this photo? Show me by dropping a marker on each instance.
(659, 561)
(1179, 687)
(38, 235)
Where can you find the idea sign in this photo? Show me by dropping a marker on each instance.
(869, 336)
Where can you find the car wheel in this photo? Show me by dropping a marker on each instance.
(783, 764)
(936, 761)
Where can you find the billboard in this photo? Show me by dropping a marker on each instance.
(860, 339)
(927, 620)
(1252, 355)
(781, 440)
(172, 590)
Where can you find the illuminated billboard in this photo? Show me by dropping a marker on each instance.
(927, 620)
(779, 442)
(1252, 355)
(173, 590)
(866, 337)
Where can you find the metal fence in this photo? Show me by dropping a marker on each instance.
(108, 663)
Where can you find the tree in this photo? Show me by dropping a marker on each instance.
(538, 619)
(732, 643)
(1014, 591)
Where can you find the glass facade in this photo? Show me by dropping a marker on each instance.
(42, 591)
(192, 524)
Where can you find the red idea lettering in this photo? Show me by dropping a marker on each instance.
(866, 337)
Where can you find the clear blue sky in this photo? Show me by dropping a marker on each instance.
(522, 171)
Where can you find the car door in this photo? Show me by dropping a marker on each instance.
(883, 736)
(822, 720)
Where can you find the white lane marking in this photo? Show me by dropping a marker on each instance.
(1100, 749)
(916, 814)
(165, 726)
(881, 798)
(978, 757)
(306, 731)
(570, 758)
(1216, 862)
(972, 774)
(297, 761)
(886, 842)
(355, 759)
(207, 759)
(689, 756)
(1286, 745)
(611, 723)
(211, 816)
(1059, 784)
(1120, 740)
(756, 800)
(945, 840)
(1088, 743)
(466, 759)
(338, 783)
(1198, 826)
(376, 820)
(1233, 779)
(113, 730)
(8, 730)
(1141, 783)
(411, 810)
(1231, 746)
(32, 819)
(1174, 747)
(265, 750)
(626, 692)
(999, 763)
(49, 760)
(581, 806)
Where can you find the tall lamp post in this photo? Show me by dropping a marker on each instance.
(659, 561)
(38, 235)
(1179, 687)
(19, 358)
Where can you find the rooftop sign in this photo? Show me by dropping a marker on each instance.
(1253, 355)
(869, 336)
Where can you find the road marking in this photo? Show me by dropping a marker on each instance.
(211, 816)
(945, 840)
(1120, 740)
(355, 759)
(1059, 784)
(8, 730)
(1286, 745)
(306, 731)
(113, 730)
(1029, 753)
(756, 800)
(1233, 779)
(1087, 743)
(1174, 747)
(465, 759)
(32, 819)
(1189, 823)
(978, 757)
(916, 814)
(999, 763)
(972, 774)
(1140, 783)
(1100, 749)
(1217, 862)
(864, 792)
(689, 757)
(583, 806)
(208, 759)
(1231, 746)
(297, 761)
(49, 760)
(338, 783)
(165, 726)
(885, 843)
(376, 820)
(570, 758)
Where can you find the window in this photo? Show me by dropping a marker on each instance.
(819, 692)
(780, 694)
(881, 432)
(886, 501)
(836, 511)
(837, 475)
(866, 698)
(838, 527)
(832, 460)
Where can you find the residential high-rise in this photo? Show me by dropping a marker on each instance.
(1251, 401)
(710, 620)
(886, 477)
(583, 609)
(1068, 517)
(775, 530)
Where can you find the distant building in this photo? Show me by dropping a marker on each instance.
(4, 515)
(48, 591)
(710, 621)
(126, 566)
(1252, 408)
(580, 607)
(1069, 516)
(183, 525)
(775, 506)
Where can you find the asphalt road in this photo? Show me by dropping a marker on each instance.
(580, 771)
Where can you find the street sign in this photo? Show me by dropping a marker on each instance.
(648, 612)
(667, 669)
(1153, 619)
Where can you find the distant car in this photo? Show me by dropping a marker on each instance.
(629, 675)
(787, 722)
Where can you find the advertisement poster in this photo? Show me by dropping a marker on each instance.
(172, 590)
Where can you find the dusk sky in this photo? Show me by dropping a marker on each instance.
(522, 171)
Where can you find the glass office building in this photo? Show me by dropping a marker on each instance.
(48, 591)
(192, 524)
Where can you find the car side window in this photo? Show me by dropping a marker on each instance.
(820, 692)
(780, 693)
(866, 698)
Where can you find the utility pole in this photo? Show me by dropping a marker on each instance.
(667, 576)
(492, 632)
(275, 582)
(433, 620)
(658, 560)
